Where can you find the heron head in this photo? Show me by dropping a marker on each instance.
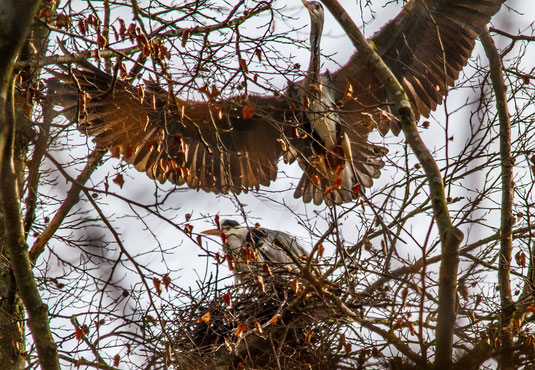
(226, 227)
(316, 11)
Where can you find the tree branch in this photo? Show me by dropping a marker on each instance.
(73, 196)
(507, 220)
(450, 236)
(16, 18)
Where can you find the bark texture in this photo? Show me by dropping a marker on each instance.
(507, 356)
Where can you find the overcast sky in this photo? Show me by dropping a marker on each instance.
(279, 214)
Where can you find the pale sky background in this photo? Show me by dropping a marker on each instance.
(184, 256)
(271, 215)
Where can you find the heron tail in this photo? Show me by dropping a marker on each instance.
(332, 181)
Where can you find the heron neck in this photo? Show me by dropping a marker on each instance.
(314, 63)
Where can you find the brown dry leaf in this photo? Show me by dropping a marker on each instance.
(367, 243)
(321, 249)
(261, 283)
(219, 113)
(306, 103)
(258, 53)
(82, 27)
(158, 285)
(308, 336)
(116, 360)
(205, 318)
(404, 294)
(63, 21)
(122, 28)
(185, 37)
(517, 323)
(240, 329)
(123, 71)
(188, 228)
(102, 42)
(131, 31)
(228, 345)
(243, 66)
(46, 13)
(274, 319)
(119, 180)
(166, 281)
(144, 121)
(521, 258)
(297, 286)
(141, 93)
(79, 333)
(267, 269)
(283, 145)
(215, 91)
(227, 299)
(485, 338)
(463, 290)
(259, 327)
(247, 254)
(231, 263)
(248, 111)
(348, 95)
(116, 34)
(376, 353)
(531, 308)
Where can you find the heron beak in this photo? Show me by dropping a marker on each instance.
(211, 232)
(307, 4)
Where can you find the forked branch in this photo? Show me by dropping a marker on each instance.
(450, 236)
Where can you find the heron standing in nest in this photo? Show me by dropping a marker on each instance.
(251, 248)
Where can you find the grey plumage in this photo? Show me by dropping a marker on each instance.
(332, 162)
(277, 249)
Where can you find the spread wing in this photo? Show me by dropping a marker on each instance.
(207, 145)
(217, 147)
(426, 46)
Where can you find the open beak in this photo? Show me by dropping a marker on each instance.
(307, 4)
(212, 232)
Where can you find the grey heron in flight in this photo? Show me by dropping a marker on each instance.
(233, 145)
(330, 171)
(250, 248)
